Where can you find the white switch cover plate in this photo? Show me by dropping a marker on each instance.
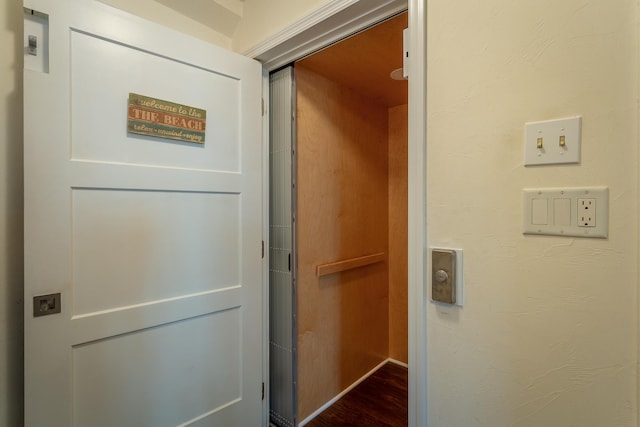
(552, 142)
(459, 274)
(571, 211)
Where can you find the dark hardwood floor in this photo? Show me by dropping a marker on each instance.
(381, 401)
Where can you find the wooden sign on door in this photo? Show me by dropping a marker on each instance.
(164, 119)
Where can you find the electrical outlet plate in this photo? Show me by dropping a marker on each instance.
(560, 212)
(552, 142)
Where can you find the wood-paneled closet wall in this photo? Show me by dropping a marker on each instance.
(352, 202)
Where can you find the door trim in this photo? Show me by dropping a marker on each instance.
(328, 24)
(417, 210)
(265, 248)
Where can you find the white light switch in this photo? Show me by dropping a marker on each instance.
(575, 211)
(552, 142)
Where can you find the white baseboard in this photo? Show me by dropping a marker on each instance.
(399, 363)
(347, 390)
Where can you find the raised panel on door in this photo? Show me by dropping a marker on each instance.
(154, 244)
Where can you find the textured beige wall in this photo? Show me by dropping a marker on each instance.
(11, 277)
(548, 335)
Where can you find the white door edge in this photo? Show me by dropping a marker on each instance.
(265, 248)
(277, 51)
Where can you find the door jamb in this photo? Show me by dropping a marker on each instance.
(319, 29)
(417, 210)
(265, 248)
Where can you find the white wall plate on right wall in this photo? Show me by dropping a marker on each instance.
(571, 211)
(552, 142)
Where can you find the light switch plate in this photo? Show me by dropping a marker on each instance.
(557, 211)
(552, 142)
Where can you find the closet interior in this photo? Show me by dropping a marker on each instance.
(339, 273)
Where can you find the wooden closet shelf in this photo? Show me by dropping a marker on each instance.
(348, 264)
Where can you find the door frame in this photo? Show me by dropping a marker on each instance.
(334, 21)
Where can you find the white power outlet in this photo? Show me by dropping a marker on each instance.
(586, 212)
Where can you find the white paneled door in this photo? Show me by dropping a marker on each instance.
(153, 244)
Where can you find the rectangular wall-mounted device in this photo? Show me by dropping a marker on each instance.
(36, 41)
(446, 276)
(571, 211)
(552, 142)
(44, 305)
